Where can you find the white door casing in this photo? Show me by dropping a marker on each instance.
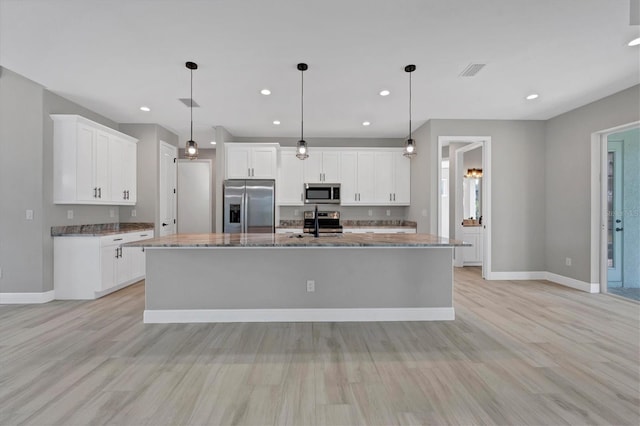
(168, 189)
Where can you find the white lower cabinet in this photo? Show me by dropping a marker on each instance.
(92, 266)
(472, 255)
(379, 230)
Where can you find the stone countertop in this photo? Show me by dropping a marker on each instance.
(287, 240)
(100, 229)
(356, 224)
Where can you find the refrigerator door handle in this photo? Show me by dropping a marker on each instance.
(245, 210)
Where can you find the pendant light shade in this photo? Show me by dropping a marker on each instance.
(191, 149)
(302, 150)
(410, 144)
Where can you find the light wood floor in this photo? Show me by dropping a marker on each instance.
(523, 352)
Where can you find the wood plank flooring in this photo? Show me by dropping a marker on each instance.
(518, 353)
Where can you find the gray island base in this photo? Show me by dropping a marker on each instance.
(265, 278)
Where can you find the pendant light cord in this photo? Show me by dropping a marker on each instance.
(410, 105)
(191, 104)
(302, 106)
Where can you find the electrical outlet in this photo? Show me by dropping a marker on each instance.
(370, 212)
(311, 286)
(69, 214)
(567, 261)
(133, 213)
(112, 213)
(29, 215)
(388, 212)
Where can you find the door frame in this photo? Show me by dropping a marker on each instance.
(599, 149)
(174, 149)
(485, 141)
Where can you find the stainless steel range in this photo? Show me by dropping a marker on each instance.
(328, 222)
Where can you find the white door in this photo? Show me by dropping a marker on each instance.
(116, 156)
(129, 167)
(194, 196)
(401, 179)
(238, 162)
(103, 181)
(313, 167)
(168, 189)
(86, 189)
(263, 163)
(349, 182)
(366, 178)
(108, 265)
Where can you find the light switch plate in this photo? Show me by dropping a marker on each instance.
(69, 214)
(29, 214)
(133, 213)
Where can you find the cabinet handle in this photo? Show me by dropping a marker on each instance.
(390, 197)
(128, 194)
(95, 192)
(394, 196)
(249, 172)
(143, 235)
(355, 197)
(117, 252)
(117, 239)
(99, 192)
(124, 195)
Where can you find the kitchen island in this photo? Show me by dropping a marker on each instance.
(284, 277)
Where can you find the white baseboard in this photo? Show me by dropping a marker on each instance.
(26, 298)
(518, 275)
(543, 275)
(298, 315)
(573, 283)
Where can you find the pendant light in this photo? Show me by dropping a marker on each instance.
(410, 144)
(191, 150)
(302, 151)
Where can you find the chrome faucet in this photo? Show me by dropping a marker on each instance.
(316, 223)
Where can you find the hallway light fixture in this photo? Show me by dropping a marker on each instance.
(302, 151)
(410, 144)
(191, 150)
(634, 42)
(473, 173)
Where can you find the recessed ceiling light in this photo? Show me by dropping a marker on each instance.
(276, 122)
(212, 142)
(366, 123)
(265, 92)
(384, 93)
(145, 108)
(532, 96)
(634, 42)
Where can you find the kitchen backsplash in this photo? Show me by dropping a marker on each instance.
(348, 212)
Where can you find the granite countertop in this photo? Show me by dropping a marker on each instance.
(96, 230)
(287, 240)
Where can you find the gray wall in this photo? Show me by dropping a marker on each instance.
(26, 163)
(148, 172)
(567, 179)
(518, 201)
(21, 253)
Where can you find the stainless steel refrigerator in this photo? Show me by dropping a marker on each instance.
(249, 206)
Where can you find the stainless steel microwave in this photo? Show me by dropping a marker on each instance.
(322, 193)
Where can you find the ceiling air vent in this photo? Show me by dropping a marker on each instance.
(471, 70)
(187, 102)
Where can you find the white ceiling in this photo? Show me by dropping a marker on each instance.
(114, 56)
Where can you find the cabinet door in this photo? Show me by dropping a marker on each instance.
(108, 265)
(129, 170)
(402, 179)
(126, 264)
(366, 178)
(313, 167)
(383, 177)
(116, 155)
(238, 162)
(471, 254)
(103, 178)
(331, 166)
(290, 181)
(349, 178)
(85, 164)
(263, 163)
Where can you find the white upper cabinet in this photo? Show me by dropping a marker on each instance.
(251, 161)
(289, 188)
(323, 165)
(93, 164)
(374, 177)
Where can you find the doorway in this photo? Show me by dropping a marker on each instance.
(623, 213)
(167, 189)
(194, 196)
(478, 186)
